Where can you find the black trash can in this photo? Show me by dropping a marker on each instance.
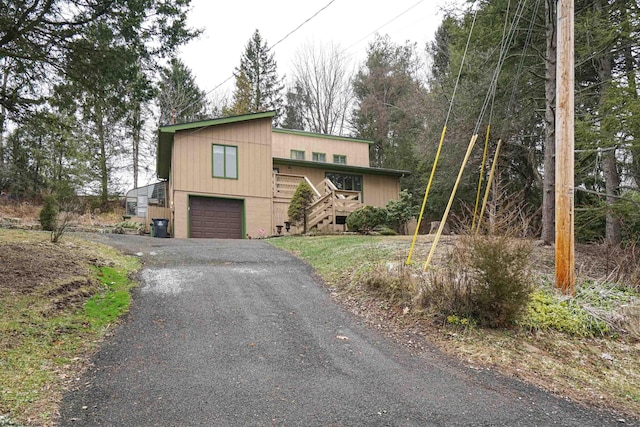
(160, 227)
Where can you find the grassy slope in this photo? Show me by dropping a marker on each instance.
(563, 350)
(50, 327)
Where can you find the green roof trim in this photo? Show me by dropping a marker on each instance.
(321, 135)
(339, 168)
(216, 122)
(165, 136)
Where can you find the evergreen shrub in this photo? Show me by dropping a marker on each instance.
(366, 219)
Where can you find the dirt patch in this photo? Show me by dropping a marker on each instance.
(45, 337)
(26, 267)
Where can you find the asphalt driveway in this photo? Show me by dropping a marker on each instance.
(238, 333)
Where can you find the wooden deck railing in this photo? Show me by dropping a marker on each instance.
(328, 202)
(320, 210)
(284, 185)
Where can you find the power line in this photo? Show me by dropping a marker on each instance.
(278, 42)
(298, 27)
(382, 26)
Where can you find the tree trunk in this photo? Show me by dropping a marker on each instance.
(549, 179)
(136, 131)
(613, 227)
(630, 71)
(102, 160)
(613, 235)
(3, 115)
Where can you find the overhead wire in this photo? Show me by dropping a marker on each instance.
(508, 111)
(486, 141)
(299, 26)
(382, 26)
(304, 22)
(441, 143)
(277, 43)
(492, 87)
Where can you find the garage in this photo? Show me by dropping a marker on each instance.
(211, 218)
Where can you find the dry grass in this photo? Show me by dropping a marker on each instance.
(27, 215)
(25, 211)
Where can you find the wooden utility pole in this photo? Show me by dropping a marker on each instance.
(565, 263)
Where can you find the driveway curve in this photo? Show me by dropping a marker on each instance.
(239, 333)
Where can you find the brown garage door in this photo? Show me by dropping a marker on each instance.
(215, 218)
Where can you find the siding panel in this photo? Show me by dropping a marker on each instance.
(357, 152)
(192, 157)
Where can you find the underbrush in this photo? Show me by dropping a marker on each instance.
(28, 213)
(486, 279)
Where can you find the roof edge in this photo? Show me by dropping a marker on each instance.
(218, 121)
(321, 135)
(340, 167)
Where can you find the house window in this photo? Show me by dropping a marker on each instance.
(319, 157)
(340, 159)
(225, 161)
(297, 155)
(345, 181)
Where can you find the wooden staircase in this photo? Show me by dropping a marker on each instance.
(329, 202)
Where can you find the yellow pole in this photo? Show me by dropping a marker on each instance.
(489, 181)
(453, 194)
(426, 194)
(484, 160)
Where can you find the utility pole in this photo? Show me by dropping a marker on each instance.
(565, 262)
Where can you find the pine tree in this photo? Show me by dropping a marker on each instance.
(94, 62)
(294, 109)
(179, 98)
(300, 202)
(258, 87)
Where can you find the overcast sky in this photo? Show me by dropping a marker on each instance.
(351, 24)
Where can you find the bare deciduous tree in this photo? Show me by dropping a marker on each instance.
(322, 83)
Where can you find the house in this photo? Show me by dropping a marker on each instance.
(234, 177)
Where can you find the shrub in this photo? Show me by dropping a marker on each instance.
(365, 219)
(396, 283)
(401, 211)
(57, 211)
(129, 224)
(49, 213)
(546, 312)
(386, 231)
(487, 279)
(500, 267)
(302, 199)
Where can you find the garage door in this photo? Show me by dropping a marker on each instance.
(215, 218)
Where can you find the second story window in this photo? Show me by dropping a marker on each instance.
(297, 155)
(340, 159)
(319, 157)
(225, 161)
